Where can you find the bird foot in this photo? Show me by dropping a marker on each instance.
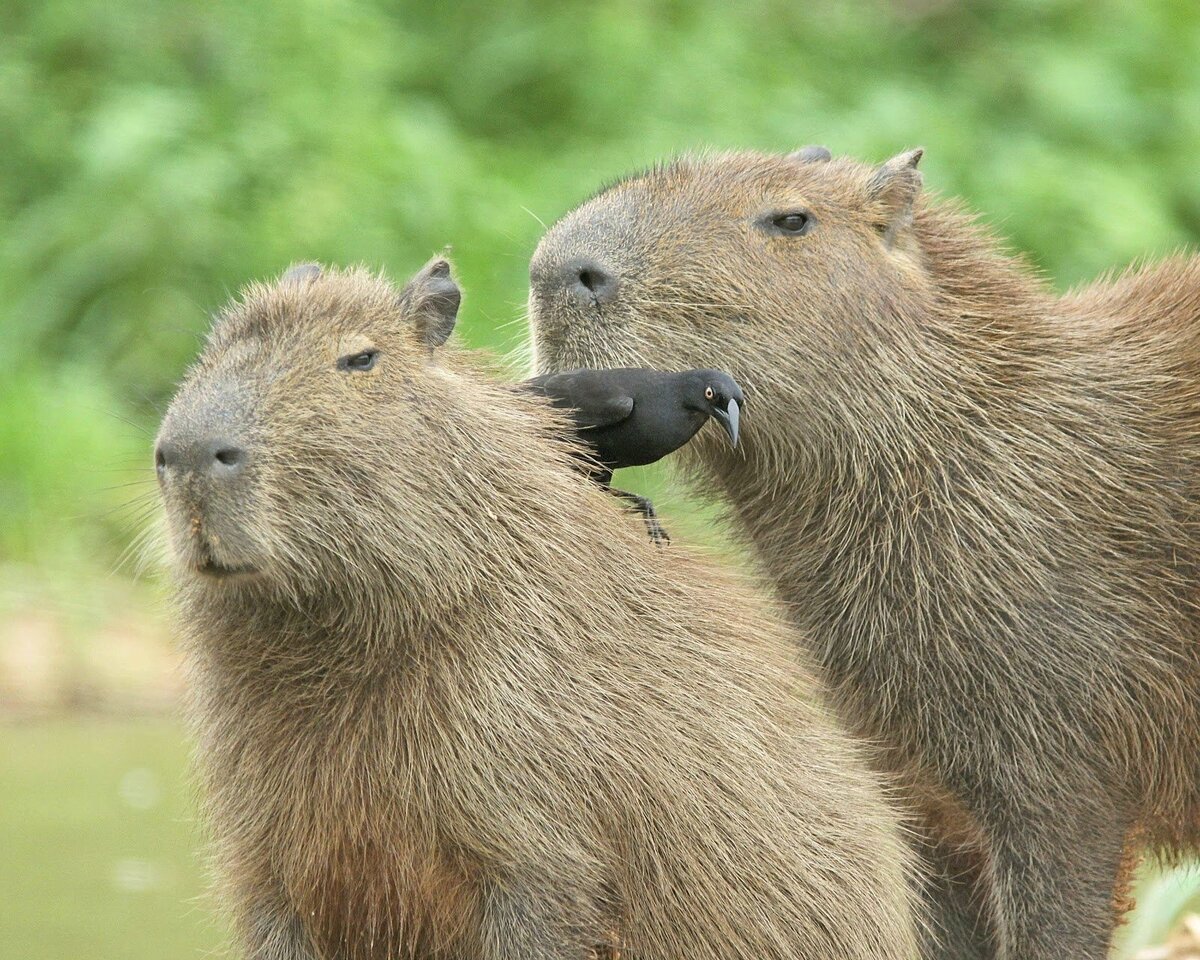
(658, 533)
(642, 505)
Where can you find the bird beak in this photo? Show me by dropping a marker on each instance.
(729, 420)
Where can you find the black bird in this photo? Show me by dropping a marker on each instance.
(632, 416)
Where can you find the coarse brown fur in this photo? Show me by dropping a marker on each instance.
(978, 498)
(461, 707)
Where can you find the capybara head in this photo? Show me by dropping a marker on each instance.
(301, 425)
(702, 260)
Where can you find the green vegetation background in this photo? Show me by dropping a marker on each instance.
(155, 154)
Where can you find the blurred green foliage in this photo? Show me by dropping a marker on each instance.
(158, 153)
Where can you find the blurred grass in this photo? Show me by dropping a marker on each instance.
(158, 154)
(100, 846)
(100, 854)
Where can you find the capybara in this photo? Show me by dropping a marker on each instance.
(451, 703)
(977, 498)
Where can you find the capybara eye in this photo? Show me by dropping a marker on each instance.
(793, 223)
(359, 362)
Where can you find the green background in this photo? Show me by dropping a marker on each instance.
(155, 154)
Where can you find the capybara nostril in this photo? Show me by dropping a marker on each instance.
(230, 457)
(590, 282)
(219, 458)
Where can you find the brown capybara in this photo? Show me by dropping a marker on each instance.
(979, 500)
(452, 704)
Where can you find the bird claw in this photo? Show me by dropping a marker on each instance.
(658, 534)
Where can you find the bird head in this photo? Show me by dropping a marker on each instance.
(717, 394)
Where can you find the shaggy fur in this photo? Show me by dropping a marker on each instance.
(462, 708)
(977, 498)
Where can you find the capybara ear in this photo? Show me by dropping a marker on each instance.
(430, 302)
(302, 273)
(812, 154)
(894, 188)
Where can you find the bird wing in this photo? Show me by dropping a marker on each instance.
(593, 402)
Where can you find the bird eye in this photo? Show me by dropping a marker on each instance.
(708, 393)
(359, 362)
(794, 224)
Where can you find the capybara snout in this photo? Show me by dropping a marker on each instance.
(204, 457)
